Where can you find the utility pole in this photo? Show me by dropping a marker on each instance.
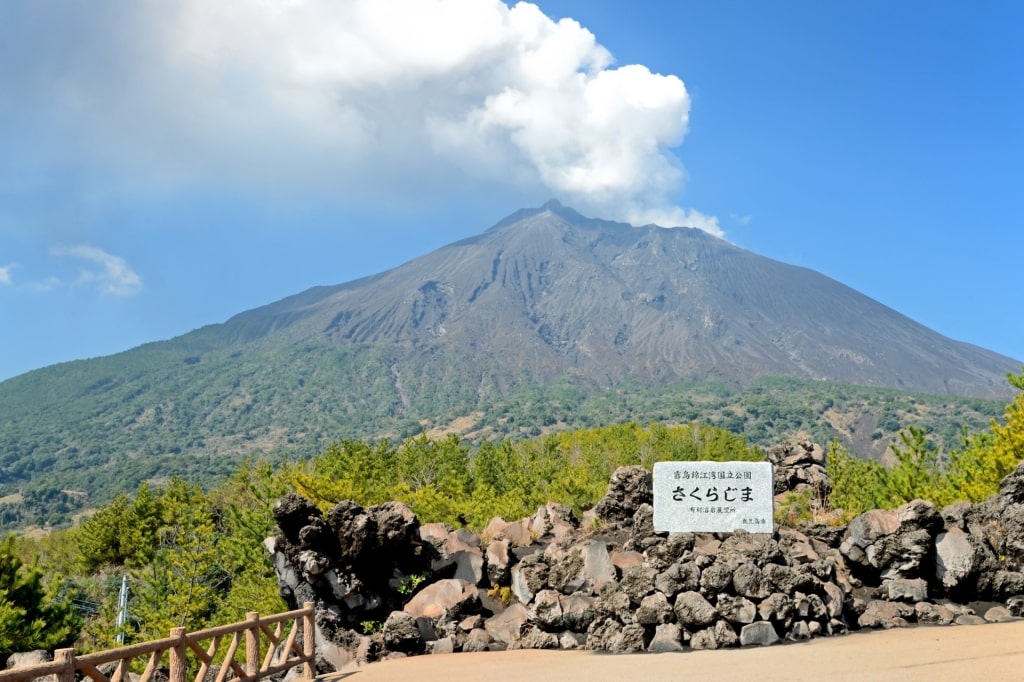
(122, 610)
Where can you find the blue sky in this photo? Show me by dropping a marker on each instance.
(168, 165)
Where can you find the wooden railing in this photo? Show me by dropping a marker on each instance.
(282, 653)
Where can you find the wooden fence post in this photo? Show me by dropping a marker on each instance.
(308, 641)
(67, 657)
(179, 664)
(252, 645)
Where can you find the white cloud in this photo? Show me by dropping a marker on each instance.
(112, 277)
(43, 286)
(378, 98)
(5, 273)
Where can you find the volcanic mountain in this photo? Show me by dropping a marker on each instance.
(548, 293)
(546, 299)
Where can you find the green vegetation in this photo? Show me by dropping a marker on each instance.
(971, 472)
(75, 436)
(193, 557)
(30, 617)
(444, 480)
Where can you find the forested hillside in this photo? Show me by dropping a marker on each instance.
(61, 462)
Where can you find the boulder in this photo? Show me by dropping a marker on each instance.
(761, 633)
(932, 614)
(528, 577)
(451, 599)
(777, 607)
(623, 559)
(905, 589)
(715, 578)
(718, 636)
(546, 611)
(998, 614)
(885, 614)
(654, 609)
(693, 611)
(742, 547)
(598, 569)
(613, 603)
(25, 659)
(469, 566)
(578, 611)
(748, 580)
(402, 633)
(629, 488)
(667, 639)
(734, 609)
(444, 645)
(1011, 488)
(506, 626)
(954, 557)
(637, 582)
(681, 576)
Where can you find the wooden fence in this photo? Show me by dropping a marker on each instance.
(282, 653)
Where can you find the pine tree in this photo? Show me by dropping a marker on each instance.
(30, 618)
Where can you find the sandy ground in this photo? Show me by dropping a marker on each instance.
(966, 652)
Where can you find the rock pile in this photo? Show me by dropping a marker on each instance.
(385, 586)
(799, 465)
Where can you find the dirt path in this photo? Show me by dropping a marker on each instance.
(979, 652)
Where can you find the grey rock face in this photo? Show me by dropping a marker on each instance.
(749, 581)
(933, 614)
(451, 599)
(629, 489)
(402, 633)
(736, 609)
(528, 577)
(499, 562)
(954, 557)
(681, 576)
(654, 609)
(506, 626)
(715, 578)
(760, 633)
(638, 582)
(693, 611)
(667, 639)
(905, 589)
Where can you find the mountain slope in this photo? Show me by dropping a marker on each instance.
(548, 292)
(544, 299)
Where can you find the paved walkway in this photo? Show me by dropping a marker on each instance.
(988, 653)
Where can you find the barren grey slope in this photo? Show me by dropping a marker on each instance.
(548, 292)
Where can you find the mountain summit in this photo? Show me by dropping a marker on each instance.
(548, 293)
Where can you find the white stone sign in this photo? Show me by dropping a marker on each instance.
(713, 497)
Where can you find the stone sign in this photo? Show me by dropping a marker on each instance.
(713, 497)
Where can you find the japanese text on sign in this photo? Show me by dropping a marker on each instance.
(713, 497)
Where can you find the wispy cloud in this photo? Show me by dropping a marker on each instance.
(113, 276)
(43, 286)
(741, 219)
(363, 97)
(5, 273)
